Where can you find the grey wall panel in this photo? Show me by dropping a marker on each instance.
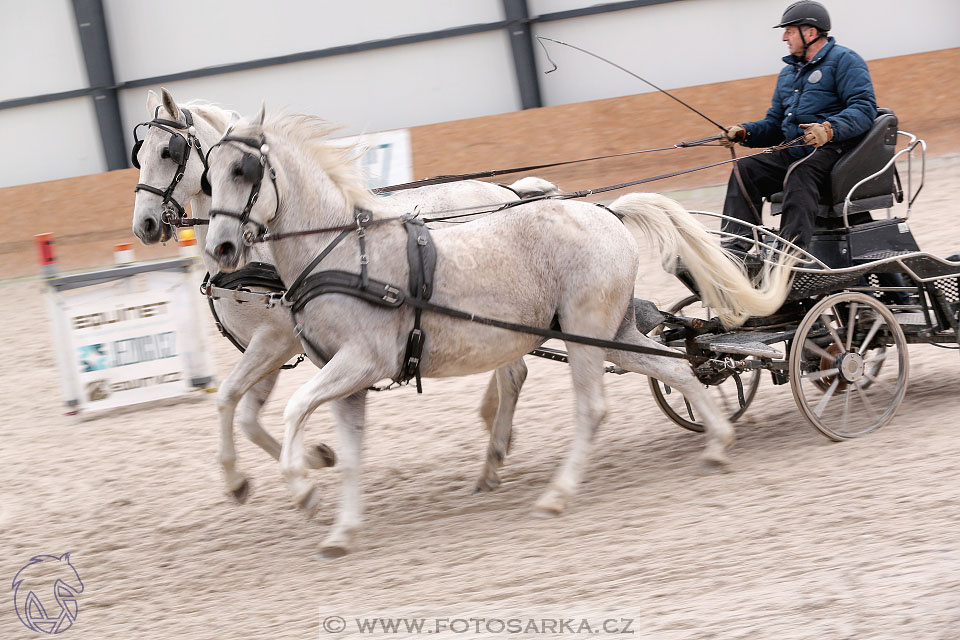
(186, 34)
(53, 140)
(695, 42)
(372, 91)
(39, 48)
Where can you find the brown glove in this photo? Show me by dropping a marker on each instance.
(733, 135)
(817, 134)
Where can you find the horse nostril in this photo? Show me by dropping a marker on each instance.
(149, 227)
(225, 251)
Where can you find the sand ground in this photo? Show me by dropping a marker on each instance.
(804, 538)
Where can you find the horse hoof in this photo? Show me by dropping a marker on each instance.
(321, 456)
(241, 493)
(309, 502)
(546, 512)
(331, 551)
(714, 465)
(550, 505)
(486, 485)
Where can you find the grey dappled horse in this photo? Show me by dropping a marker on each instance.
(544, 260)
(267, 333)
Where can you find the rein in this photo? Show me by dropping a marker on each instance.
(459, 177)
(266, 236)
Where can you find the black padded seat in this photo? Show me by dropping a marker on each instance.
(871, 153)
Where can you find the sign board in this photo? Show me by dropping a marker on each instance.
(129, 334)
(388, 159)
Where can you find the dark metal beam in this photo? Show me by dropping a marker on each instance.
(521, 44)
(92, 27)
(598, 8)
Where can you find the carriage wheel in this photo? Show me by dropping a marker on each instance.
(848, 365)
(672, 402)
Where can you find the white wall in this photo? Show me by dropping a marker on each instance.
(39, 49)
(415, 84)
(149, 39)
(674, 44)
(49, 141)
(693, 42)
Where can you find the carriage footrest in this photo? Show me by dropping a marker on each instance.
(752, 343)
(910, 319)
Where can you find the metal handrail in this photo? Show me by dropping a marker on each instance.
(914, 141)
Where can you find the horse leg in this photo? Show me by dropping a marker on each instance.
(489, 403)
(506, 384)
(677, 373)
(349, 415)
(319, 456)
(348, 372)
(248, 413)
(586, 367)
(255, 372)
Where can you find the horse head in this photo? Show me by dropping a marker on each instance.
(171, 162)
(269, 165)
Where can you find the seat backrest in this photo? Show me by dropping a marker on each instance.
(869, 155)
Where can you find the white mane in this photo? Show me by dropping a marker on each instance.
(312, 135)
(216, 115)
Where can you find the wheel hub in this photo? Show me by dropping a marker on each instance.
(850, 365)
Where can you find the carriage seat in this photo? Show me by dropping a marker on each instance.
(871, 153)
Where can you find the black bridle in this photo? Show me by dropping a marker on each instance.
(251, 168)
(177, 149)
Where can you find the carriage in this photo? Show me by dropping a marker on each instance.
(840, 341)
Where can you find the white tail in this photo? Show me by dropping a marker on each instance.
(721, 279)
(533, 186)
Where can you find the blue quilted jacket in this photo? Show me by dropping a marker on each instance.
(835, 86)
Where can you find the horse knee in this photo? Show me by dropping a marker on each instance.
(227, 399)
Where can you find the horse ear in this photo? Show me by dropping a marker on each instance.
(169, 105)
(65, 557)
(153, 101)
(260, 115)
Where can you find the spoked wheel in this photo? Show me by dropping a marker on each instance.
(848, 365)
(726, 394)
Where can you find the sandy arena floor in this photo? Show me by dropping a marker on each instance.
(804, 538)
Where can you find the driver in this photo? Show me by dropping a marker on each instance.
(824, 94)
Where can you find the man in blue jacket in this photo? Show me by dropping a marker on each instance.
(823, 95)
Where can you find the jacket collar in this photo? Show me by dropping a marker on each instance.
(797, 62)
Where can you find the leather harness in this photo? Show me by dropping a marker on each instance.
(422, 261)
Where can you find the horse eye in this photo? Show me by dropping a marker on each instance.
(237, 170)
(165, 153)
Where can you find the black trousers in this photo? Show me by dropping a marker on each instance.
(763, 176)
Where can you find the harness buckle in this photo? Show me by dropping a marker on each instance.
(391, 295)
(249, 238)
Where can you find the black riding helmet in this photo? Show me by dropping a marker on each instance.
(805, 12)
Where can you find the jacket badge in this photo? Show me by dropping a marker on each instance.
(815, 77)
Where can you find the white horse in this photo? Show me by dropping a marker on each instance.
(547, 259)
(267, 334)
